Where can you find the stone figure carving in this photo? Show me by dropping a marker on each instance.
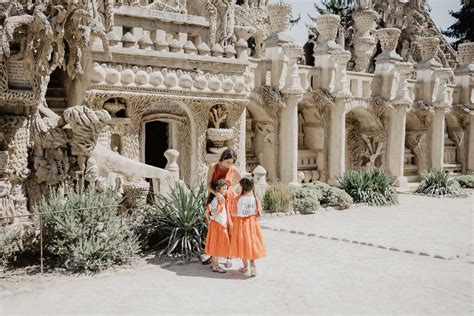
(373, 151)
(225, 21)
(363, 4)
(175, 6)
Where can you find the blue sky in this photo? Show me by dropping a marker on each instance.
(439, 12)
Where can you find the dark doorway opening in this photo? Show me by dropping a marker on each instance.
(156, 143)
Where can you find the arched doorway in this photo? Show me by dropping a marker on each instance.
(454, 145)
(416, 155)
(365, 140)
(156, 143)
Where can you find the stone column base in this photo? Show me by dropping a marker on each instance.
(401, 182)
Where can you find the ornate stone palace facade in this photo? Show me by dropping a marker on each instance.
(134, 90)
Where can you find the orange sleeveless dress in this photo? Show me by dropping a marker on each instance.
(247, 238)
(217, 239)
(228, 176)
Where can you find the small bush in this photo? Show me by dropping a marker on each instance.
(331, 196)
(277, 198)
(437, 183)
(182, 221)
(465, 181)
(305, 200)
(144, 222)
(374, 187)
(91, 239)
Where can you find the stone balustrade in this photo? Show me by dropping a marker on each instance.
(164, 78)
(360, 84)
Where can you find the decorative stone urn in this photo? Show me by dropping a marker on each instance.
(279, 15)
(428, 47)
(466, 53)
(388, 38)
(218, 137)
(364, 22)
(327, 26)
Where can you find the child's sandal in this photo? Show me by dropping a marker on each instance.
(218, 269)
(253, 271)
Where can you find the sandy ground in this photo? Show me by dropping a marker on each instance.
(301, 274)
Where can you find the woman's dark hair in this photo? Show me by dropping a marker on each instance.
(216, 186)
(228, 154)
(247, 184)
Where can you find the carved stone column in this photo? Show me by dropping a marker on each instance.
(364, 42)
(396, 143)
(289, 139)
(385, 62)
(397, 127)
(465, 72)
(327, 25)
(341, 86)
(243, 137)
(437, 138)
(470, 148)
(337, 141)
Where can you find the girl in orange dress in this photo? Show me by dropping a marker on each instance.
(247, 239)
(220, 222)
(224, 169)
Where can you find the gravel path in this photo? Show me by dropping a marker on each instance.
(301, 274)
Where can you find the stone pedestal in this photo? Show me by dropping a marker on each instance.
(289, 139)
(337, 141)
(437, 138)
(396, 144)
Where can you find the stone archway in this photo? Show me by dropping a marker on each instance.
(262, 140)
(366, 140)
(454, 145)
(416, 155)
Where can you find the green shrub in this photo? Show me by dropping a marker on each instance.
(465, 181)
(10, 243)
(144, 222)
(436, 182)
(331, 196)
(373, 186)
(91, 239)
(305, 200)
(182, 221)
(277, 198)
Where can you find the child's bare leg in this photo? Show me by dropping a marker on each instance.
(253, 269)
(245, 263)
(252, 263)
(215, 262)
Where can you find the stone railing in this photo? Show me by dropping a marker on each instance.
(360, 84)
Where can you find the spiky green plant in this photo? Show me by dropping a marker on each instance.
(372, 186)
(88, 240)
(437, 182)
(278, 198)
(182, 221)
(465, 181)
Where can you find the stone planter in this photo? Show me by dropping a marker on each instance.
(136, 192)
(218, 137)
(466, 53)
(428, 47)
(279, 15)
(327, 25)
(364, 22)
(388, 38)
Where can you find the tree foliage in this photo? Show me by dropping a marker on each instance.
(463, 28)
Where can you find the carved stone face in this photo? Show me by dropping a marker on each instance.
(5, 188)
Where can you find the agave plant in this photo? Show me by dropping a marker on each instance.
(372, 186)
(182, 221)
(436, 182)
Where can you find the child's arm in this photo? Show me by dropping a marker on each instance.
(259, 207)
(208, 211)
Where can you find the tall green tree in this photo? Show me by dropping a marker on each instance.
(343, 8)
(463, 28)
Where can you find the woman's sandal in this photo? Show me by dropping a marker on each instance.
(243, 270)
(218, 269)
